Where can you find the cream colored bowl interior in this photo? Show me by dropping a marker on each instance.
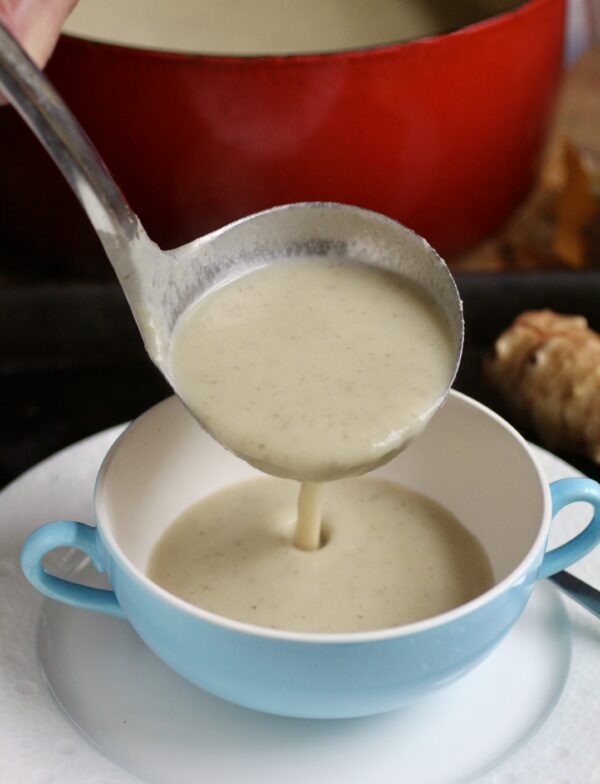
(468, 460)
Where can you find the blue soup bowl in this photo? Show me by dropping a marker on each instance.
(469, 460)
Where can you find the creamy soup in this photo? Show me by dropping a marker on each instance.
(314, 368)
(271, 26)
(389, 557)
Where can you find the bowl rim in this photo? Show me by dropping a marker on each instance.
(494, 20)
(521, 573)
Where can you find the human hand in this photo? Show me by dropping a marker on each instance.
(36, 24)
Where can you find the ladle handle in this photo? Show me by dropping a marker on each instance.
(38, 103)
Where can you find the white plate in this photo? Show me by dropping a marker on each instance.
(154, 724)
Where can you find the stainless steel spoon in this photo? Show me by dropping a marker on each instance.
(160, 285)
(579, 591)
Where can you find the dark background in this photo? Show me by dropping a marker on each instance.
(72, 362)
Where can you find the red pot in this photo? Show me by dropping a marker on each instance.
(440, 133)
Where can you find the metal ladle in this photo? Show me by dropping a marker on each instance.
(160, 285)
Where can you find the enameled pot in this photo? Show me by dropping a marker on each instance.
(440, 133)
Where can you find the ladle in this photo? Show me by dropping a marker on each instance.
(160, 285)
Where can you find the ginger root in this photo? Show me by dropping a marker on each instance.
(546, 366)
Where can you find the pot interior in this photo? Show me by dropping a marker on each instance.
(271, 27)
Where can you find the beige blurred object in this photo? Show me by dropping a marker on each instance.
(559, 224)
(546, 366)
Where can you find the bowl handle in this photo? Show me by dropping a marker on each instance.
(66, 533)
(564, 492)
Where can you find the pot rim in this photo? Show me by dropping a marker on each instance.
(490, 22)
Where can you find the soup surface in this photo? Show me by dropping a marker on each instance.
(271, 26)
(390, 557)
(313, 369)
